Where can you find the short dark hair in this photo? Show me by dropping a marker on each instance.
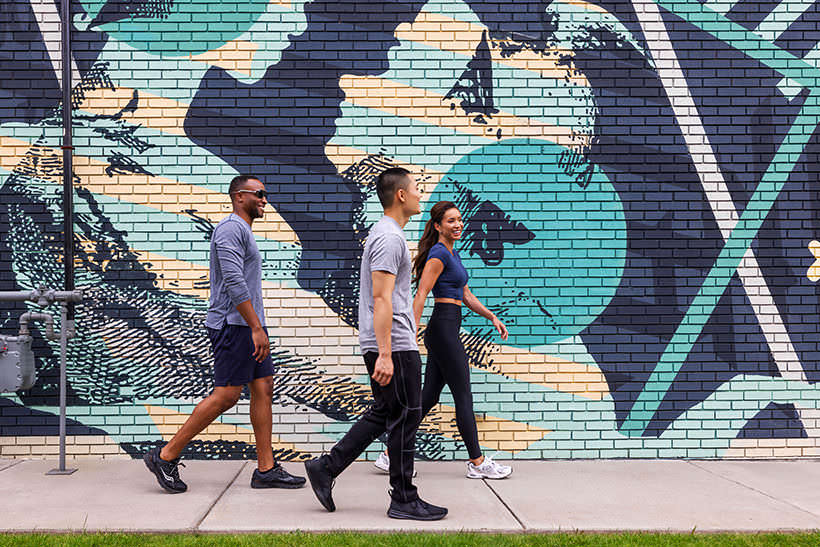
(390, 180)
(238, 182)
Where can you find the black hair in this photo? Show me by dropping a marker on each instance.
(389, 181)
(430, 237)
(238, 182)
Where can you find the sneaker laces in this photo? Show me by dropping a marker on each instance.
(172, 468)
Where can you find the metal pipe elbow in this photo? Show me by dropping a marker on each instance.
(34, 316)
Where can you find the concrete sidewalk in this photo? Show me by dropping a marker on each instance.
(603, 495)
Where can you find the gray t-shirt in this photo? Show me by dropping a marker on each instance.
(386, 251)
(236, 273)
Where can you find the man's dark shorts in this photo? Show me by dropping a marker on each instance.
(234, 364)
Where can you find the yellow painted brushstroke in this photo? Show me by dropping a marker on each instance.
(168, 422)
(493, 433)
(153, 111)
(814, 270)
(439, 31)
(160, 193)
(554, 372)
(236, 55)
(398, 99)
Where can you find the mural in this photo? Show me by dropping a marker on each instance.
(638, 181)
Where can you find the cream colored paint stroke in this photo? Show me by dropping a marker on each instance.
(398, 99)
(168, 422)
(236, 55)
(550, 371)
(175, 275)
(493, 433)
(154, 112)
(345, 157)
(175, 196)
(439, 31)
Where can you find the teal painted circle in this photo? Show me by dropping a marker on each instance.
(544, 239)
(182, 27)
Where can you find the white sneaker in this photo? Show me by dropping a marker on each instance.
(488, 469)
(382, 463)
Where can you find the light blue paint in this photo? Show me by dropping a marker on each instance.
(189, 28)
(720, 6)
(704, 303)
(552, 286)
(781, 17)
(130, 59)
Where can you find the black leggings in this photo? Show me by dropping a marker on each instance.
(447, 364)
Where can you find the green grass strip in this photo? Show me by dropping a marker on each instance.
(298, 539)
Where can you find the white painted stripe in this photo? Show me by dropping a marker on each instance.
(781, 18)
(714, 186)
(720, 6)
(48, 19)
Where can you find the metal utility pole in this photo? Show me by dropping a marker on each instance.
(67, 310)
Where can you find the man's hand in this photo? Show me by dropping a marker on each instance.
(383, 372)
(261, 344)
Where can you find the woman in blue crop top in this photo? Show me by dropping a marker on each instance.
(438, 267)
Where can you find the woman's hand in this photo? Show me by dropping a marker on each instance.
(499, 326)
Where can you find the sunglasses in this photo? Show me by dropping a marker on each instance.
(261, 194)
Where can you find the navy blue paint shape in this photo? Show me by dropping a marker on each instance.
(750, 13)
(28, 85)
(475, 86)
(277, 129)
(804, 34)
(732, 343)
(21, 421)
(776, 421)
(743, 113)
(673, 238)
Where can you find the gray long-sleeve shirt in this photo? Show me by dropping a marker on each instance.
(236, 273)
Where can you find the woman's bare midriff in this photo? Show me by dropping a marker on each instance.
(447, 301)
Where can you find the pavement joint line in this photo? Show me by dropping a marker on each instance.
(761, 492)
(11, 464)
(219, 497)
(504, 503)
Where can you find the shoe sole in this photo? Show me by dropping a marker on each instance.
(488, 478)
(330, 506)
(153, 469)
(407, 516)
(286, 486)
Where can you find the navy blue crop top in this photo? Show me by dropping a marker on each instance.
(450, 284)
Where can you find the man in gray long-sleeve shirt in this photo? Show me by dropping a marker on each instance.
(236, 327)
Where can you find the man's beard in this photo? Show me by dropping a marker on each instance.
(255, 213)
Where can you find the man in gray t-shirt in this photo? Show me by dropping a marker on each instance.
(387, 335)
(386, 251)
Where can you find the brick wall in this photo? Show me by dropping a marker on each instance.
(638, 181)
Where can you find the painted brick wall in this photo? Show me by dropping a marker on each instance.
(639, 180)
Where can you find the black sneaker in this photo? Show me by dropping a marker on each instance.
(418, 509)
(321, 481)
(276, 477)
(167, 473)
